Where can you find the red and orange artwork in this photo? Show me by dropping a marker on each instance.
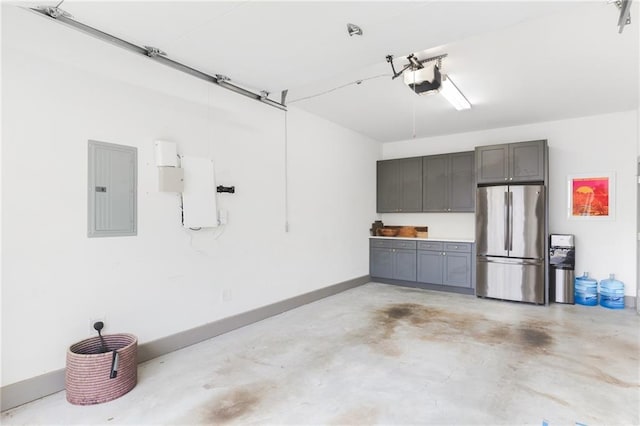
(590, 196)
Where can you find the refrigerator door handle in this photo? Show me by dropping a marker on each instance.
(509, 261)
(510, 221)
(506, 221)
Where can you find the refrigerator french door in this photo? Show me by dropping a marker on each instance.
(510, 238)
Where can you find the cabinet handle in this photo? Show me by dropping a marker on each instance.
(511, 178)
(443, 253)
(455, 247)
(506, 178)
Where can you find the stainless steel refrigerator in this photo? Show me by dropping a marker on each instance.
(510, 238)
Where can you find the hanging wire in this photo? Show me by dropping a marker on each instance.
(286, 174)
(221, 227)
(339, 87)
(414, 105)
(212, 130)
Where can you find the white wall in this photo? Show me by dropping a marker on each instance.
(61, 88)
(604, 143)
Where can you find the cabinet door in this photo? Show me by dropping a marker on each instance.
(411, 182)
(526, 161)
(388, 188)
(492, 163)
(457, 269)
(430, 266)
(462, 184)
(381, 262)
(435, 183)
(404, 265)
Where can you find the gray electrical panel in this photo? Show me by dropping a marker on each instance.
(112, 191)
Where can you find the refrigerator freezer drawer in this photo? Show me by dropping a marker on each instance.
(510, 279)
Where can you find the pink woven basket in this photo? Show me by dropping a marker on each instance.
(88, 374)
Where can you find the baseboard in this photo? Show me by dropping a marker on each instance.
(630, 302)
(37, 387)
(180, 340)
(31, 389)
(425, 286)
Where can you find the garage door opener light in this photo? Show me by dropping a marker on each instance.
(428, 79)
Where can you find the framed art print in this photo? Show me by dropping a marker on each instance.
(591, 196)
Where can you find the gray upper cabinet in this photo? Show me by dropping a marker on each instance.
(492, 163)
(462, 182)
(399, 185)
(526, 161)
(449, 183)
(411, 178)
(388, 186)
(435, 171)
(515, 162)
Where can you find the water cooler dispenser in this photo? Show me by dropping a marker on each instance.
(562, 262)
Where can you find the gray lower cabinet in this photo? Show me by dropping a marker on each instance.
(392, 259)
(430, 266)
(404, 264)
(436, 263)
(381, 262)
(445, 263)
(457, 269)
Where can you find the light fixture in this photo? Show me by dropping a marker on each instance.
(423, 81)
(451, 93)
(426, 80)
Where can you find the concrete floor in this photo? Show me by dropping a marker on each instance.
(381, 354)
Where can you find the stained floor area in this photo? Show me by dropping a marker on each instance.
(381, 354)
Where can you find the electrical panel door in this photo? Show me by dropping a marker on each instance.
(112, 190)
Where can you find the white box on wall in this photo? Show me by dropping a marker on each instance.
(166, 153)
(199, 209)
(170, 179)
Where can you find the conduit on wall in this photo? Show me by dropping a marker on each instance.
(154, 53)
(286, 174)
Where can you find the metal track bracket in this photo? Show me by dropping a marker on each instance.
(154, 53)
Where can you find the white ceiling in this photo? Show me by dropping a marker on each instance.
(517, 62)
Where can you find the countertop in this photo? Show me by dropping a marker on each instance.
(456, 240)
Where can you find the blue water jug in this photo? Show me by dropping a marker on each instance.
(612, 293)
(586, 290)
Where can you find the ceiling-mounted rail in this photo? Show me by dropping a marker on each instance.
(414, 63)
(155, 54)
